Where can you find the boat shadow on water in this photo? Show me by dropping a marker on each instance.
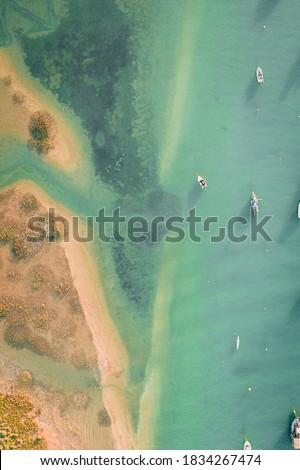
(246, 371)
(292, 222)
(264, 8)
(251, 89)
(194, 195)
(284, 441)
(292, 81)
(290, 226)
(246, 211)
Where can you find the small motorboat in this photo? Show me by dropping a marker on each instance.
(201, 181)
(254, 203)
(295, 431)
(259, 75)
(238, 343)
(247, 445)
(299, 210)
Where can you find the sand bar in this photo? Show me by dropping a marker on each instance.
(179, 91)
(111, 353)
(14, 118)
(160, 331)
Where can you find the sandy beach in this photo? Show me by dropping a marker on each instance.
(112, 355)
(14, 117)
(111, 352)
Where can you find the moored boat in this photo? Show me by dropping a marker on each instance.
(201, 181)
(238, 343)
(247, 445)
(295, 431)
(259, 75)
(299, 210)
(254, 203)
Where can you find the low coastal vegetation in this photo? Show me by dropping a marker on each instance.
(21, 248)
(7, 80)
(29, 202)
(42, 130)
(18, 429)
(13, 230)
(39, 280)
(34, 324)
(18, 98)
(62, 287)
(103, 418)
(14, 309)
(39, 306)
(12, 234)
(25, 378)
(8, 231)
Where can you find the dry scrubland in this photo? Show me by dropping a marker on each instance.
(40, 312)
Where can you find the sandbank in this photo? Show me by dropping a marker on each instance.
(160, 331)
(14, 118)
(111, 353)
(178, 97)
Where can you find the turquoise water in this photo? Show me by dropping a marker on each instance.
(198, 108)
(241, 137)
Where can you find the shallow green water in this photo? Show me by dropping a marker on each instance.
(242, 137)
(198, 97)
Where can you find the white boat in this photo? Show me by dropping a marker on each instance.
(247, 445)
(201, 181)
(254, 203)
(295, 431)
(299, 210)
(238, 343)
(259, 75)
